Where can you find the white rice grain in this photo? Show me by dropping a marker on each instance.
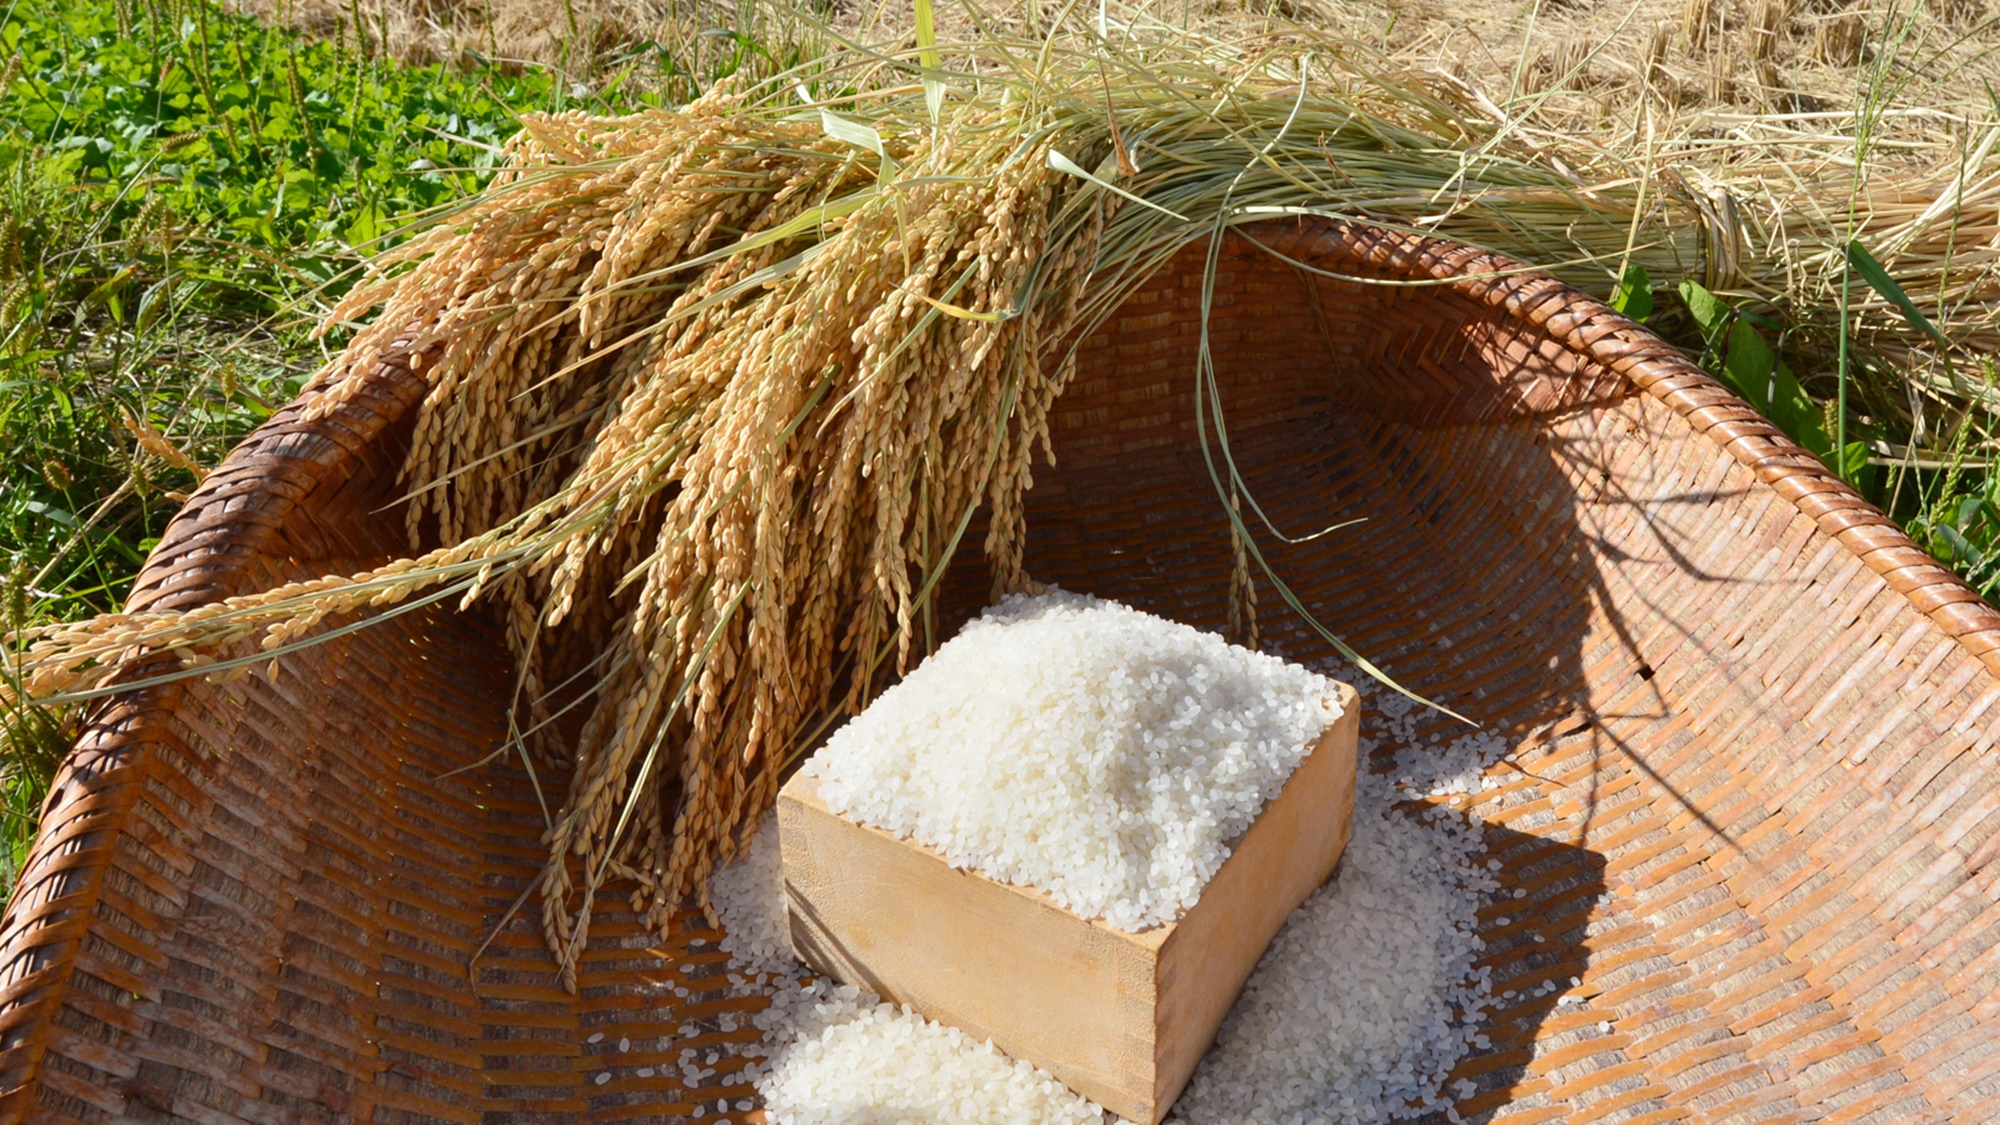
(749, 899)
(844, 1058)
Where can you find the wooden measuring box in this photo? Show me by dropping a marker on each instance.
(1121, 1018)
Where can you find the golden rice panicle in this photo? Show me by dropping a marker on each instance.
(730, 675)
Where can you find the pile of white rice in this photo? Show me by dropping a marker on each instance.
(1357, 1013)
(839, 1056)
(1083, 748)
(846, 1058)
(1371, 992)
(749, 900)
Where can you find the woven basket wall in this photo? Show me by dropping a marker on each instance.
(1753, 802)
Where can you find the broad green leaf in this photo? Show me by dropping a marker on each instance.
(1634, 294)
(1854, 462)
(50, 511)
(1961, 547)
(1748, 365)
(1751, 366)
(1710, 311)
(1969, 510)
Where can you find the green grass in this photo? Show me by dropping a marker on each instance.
(182, 191)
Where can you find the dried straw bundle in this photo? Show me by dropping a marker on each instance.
(714, 394)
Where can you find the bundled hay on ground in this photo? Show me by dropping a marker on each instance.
(715, 394)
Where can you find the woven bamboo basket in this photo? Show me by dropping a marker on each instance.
(1753, 803)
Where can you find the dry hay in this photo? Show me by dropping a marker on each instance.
(1602, 62)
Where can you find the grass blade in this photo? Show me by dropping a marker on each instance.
(932, 62)
(1879, 279)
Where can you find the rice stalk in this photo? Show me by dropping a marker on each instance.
(713, 395)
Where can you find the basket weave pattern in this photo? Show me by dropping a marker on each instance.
(1753, 805)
